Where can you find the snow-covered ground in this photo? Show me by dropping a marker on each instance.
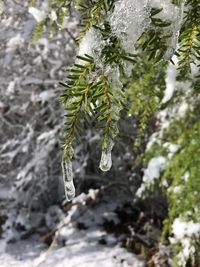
(81, 238)
(82, 252)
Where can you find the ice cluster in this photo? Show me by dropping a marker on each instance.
(129, 20)
(68, 179)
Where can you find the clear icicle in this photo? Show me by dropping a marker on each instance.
(106, 158)
(68, 179)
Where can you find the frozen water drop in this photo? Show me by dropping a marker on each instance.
(106, 161)
(106, 157)
(68, 179)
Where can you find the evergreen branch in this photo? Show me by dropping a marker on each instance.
(109, 107)
(91, 14)
(189, 46)
(75, 96)
(155, 41)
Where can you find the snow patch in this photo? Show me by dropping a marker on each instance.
(155, 166)
(183, 109)
(39, 15)
(15, 42)
(170, 81)
(152, 173)
(182, 229)
(186, 176)
(183, 233)
(92, 44)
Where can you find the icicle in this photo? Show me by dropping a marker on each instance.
(106, 158)
(106, 161)
(68, 179)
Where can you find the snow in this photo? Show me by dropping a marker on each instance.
(15, 42)
(42, 46)
(152, 140)
(177, 189)
(181, 229)
(183, 109)
(154, 168)
(45, 96)
(183, 233)
(74, 246)
(11, 88)
(46, 135)
(172, 149)
(39, 15)
(92, 44)
(141, 190)
(151, 174)
(53, 15)
(89, 254)
(170, 83)
(188, 250)
(186, 176)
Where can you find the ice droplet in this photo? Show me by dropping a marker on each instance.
(106, 158)
(106, 161)
(68, 179)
